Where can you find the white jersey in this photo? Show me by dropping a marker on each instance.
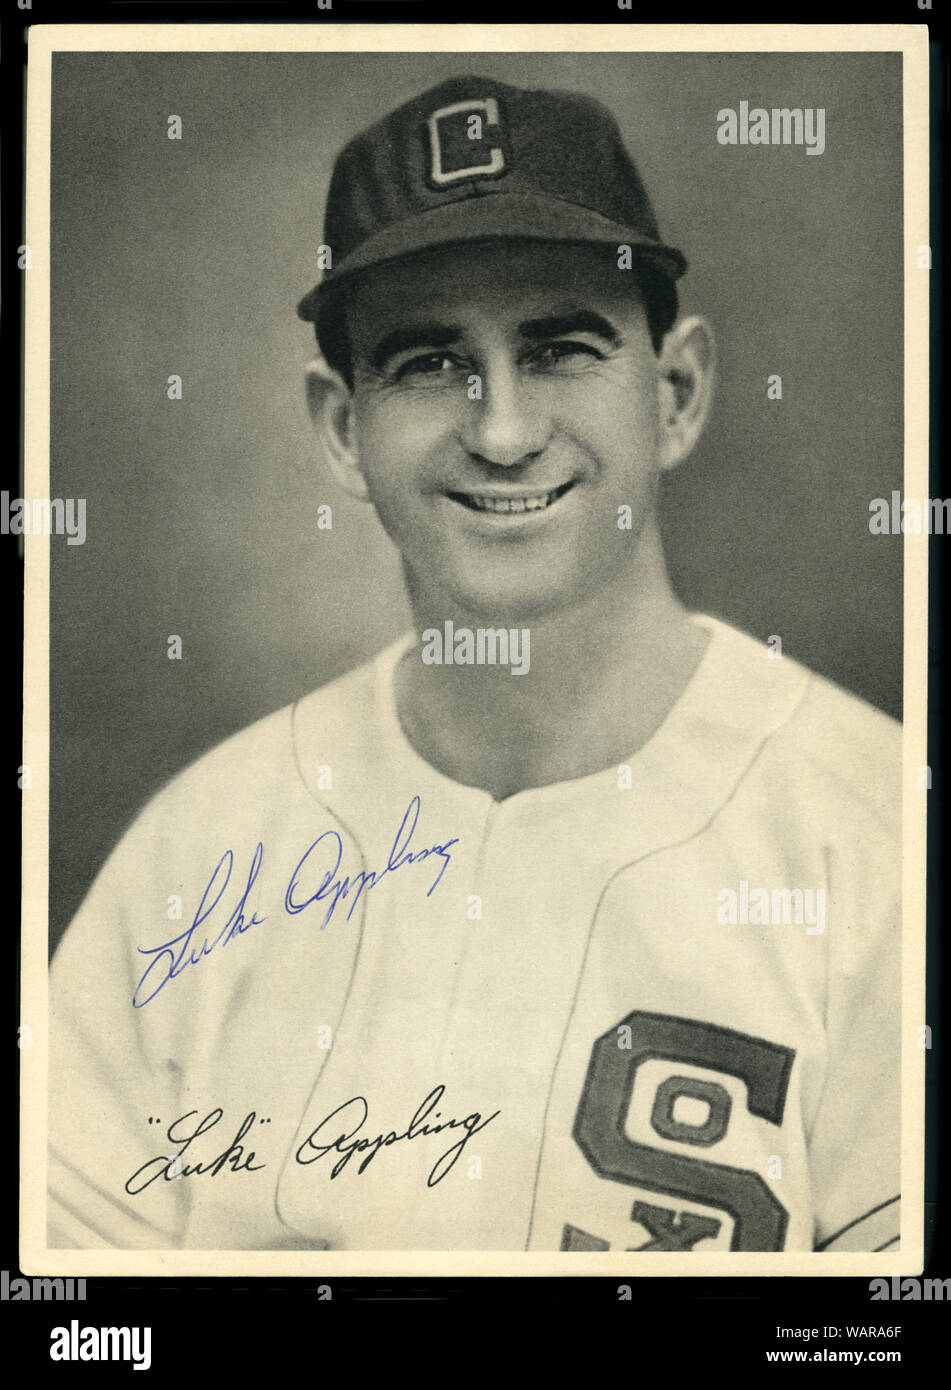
(322, 996)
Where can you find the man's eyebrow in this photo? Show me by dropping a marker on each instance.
(577, 321)
(414, 335)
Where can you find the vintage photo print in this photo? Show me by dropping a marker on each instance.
(475, 778)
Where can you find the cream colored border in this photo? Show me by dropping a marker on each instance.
(912, 42)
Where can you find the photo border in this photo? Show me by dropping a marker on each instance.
(911, 41)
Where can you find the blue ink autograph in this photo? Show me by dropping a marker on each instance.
(399, 855)
(171, 958)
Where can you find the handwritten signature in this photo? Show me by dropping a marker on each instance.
(357, 1112)
(170, 958)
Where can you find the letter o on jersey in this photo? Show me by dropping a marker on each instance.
(676, 1088)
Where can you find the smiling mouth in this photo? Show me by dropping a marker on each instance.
(527, 502)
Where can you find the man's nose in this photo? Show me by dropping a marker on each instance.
(509, 425)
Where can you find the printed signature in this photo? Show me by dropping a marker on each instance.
(235, 1159)
(356, 1112)
(171, 1166)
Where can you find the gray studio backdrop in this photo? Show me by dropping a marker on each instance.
(188, 257)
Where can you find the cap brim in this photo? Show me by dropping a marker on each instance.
(534, 218)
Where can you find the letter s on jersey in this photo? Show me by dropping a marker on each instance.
(759, 1219)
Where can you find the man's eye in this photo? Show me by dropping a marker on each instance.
(428, 364)
(553, 354)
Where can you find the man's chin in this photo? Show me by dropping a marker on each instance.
(498, 605)
(485, 591)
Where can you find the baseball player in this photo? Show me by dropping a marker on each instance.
(592, 950)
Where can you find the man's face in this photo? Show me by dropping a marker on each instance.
(502, 492)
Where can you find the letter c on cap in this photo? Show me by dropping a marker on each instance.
(496, 164)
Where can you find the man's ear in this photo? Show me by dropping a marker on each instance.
(685, 379)
(330, 402)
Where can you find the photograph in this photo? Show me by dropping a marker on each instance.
(467, 512)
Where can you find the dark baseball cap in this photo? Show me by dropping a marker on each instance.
(473, 159)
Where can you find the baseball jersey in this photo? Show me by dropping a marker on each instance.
(322, 996)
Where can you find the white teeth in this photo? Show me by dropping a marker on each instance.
(512, 504)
